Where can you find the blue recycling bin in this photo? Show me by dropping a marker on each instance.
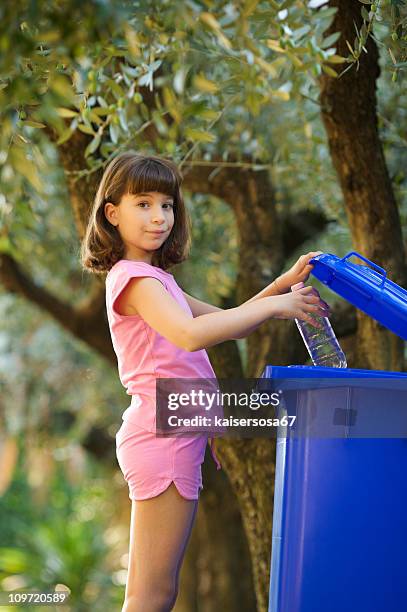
(339, 538)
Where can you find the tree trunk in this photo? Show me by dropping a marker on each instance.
(349, 115)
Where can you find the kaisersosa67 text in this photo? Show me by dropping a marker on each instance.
(230, 421)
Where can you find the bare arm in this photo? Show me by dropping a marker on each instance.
(299, 272)
(271, 289)
(159, 309)
(199, 308)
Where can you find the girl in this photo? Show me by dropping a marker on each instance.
(138, 229)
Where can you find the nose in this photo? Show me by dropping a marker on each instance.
(158, 217)
(159, 220)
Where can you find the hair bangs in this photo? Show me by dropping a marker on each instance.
(151, 175)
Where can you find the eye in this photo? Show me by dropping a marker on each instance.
(141, 204)
(170, 204)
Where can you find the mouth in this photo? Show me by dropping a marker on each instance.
(157, 233)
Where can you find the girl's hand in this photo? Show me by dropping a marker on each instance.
(300, 304)
(299, 272)
(314, 292)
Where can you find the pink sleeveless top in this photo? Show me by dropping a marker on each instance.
(143, 355)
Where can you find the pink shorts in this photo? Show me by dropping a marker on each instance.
(150, 463)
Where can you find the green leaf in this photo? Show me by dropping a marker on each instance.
(62, 87)
(330, 71)
(209, 114)
(301, 31)
(336, 59)
(179, 79)
(86, 129)
(67, 113)
(280, 94)
(204, 84)
(249, 7)
(146, 79)
(116, 89)
(274, 45)
(34, 124)
(159, 123)
(316, 3)
(114, 132)
(26, 167)
(330, 40)
(155, 65)
(131, 72)
(295, 59)
(199, 135)
(195, 108)
(66, 134)
(94, 117)
(350, 48)
(93, 145)
(346, 69)
(102, 111)
(123, 119)
(212, 23)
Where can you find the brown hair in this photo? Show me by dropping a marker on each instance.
(132, 173)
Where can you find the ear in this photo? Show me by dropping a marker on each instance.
(111, 213)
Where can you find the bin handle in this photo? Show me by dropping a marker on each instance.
(377, 268)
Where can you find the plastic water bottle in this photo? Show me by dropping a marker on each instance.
(321, 343)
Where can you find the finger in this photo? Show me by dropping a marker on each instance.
(317, 308)
(306, 270)
(297, 286)
(315, 292)
(324, 306)
(310, 256)
(313, 308)
(306, 290)
(304, 259)
(311, 299)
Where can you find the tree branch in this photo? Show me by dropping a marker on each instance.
(84, 321)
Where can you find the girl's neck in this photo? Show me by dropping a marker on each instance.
(144, 259)
(138, 260)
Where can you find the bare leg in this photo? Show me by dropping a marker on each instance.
(159, 532)
(178, 569)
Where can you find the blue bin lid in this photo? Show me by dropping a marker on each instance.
(369, 290)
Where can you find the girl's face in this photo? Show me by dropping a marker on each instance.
(144, 221)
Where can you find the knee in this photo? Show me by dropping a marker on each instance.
(160, 599)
